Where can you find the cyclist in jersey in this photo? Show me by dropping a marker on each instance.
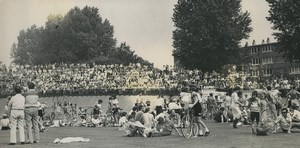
(197, 110)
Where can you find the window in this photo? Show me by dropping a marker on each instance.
(267, 48)
(267, 60)
(255, 73)
(254, 50)
(255, 61)
(268, 72)
(295, 70)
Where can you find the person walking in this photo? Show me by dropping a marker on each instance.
(235, 107)
(16, 109)
(31, 114)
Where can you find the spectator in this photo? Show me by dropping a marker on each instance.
(4, 122)
(197, 107)
(235, 107)
(211, 103)
(254, 106)
(271, 98)
(285, 121)
(159, 104)
(16, 107)
(220, 115)
(31, 114)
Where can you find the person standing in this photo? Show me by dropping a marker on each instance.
(31, 114)
(211, 103)
(16, 109)
(271, 101)
(197, 110)
(159, 104)
(235, 107)
(254, 106)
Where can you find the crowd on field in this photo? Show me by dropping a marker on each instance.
(93, 79)
(240, 107)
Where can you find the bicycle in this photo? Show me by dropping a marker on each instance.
(112, 117)
(170, 124)
(188, 125)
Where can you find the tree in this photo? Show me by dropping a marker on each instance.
(27, 50)
(208, 33)
(125, 55)
(78, 36)
(285, 17)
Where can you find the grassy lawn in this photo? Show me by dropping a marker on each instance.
(222, 135)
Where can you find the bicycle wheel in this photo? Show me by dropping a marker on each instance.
(186, 127)
(109, 120)
(195, 129)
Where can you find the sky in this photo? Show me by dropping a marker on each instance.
(145, 25)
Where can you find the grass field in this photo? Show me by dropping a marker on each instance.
(222, 135)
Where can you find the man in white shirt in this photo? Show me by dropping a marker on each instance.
(295, 114)
(160, 102)
(16, 107)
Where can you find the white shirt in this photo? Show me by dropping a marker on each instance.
(296, 114)
(173, 105)
(16, 102)
(227, 101)
(160, 101)
(186, 97)
(4, 123)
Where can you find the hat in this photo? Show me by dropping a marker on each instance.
(4, 115)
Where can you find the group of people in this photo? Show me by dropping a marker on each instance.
(265, 110)
(23, 111)
(163, 119)
(93, 79)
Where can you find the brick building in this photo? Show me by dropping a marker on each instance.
(264, 61)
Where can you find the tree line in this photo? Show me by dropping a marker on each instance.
(80, 36)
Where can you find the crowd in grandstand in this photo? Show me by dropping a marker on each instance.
(90, 79)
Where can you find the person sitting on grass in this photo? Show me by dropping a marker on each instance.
(134, 128)
(123, 121)
(284, 120)
(148, 119)
(295, 114)
(4, 122)
(220, 115)
(96, 121)
(175, 111)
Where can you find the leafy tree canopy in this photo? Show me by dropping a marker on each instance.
(79, 36)
(208, 33)
(285, 17)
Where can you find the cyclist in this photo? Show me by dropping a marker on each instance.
(97, 108)
(115, 109)
(197, 109)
